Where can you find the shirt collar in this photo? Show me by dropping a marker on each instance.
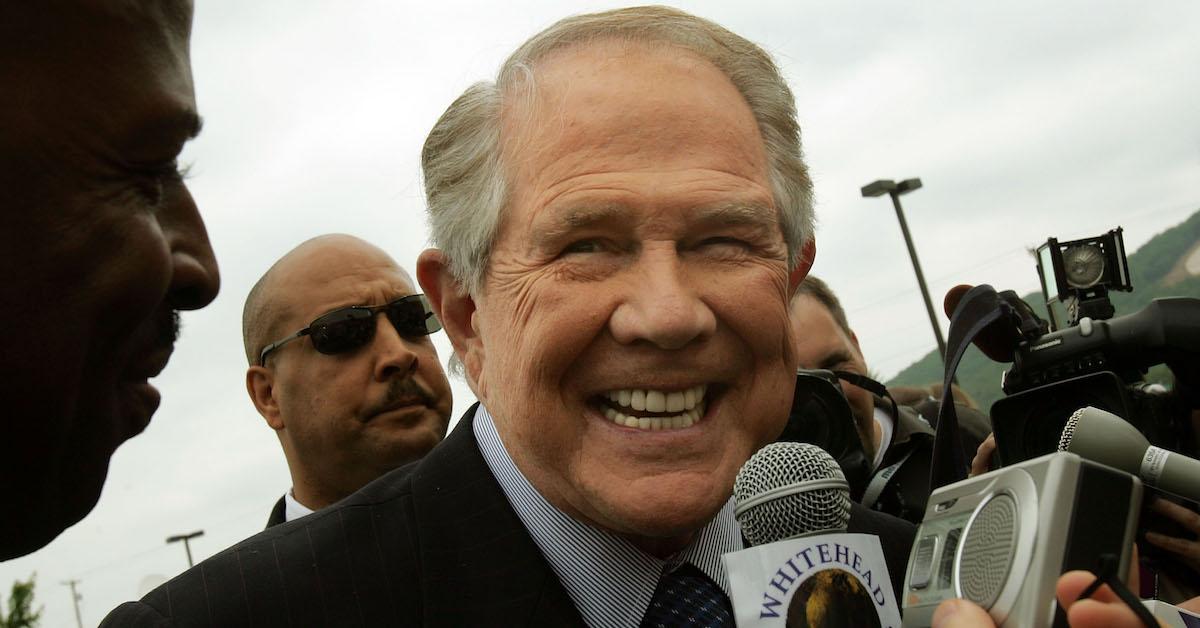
(609, 579)
(293, 509)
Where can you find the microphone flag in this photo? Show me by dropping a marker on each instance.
(834, 579)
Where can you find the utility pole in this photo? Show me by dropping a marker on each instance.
(185, 538)
(75, 597)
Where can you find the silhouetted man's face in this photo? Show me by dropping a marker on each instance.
(101, 243)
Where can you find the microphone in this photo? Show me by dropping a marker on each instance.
(790, 490)
(1106, 438)
(793, 503)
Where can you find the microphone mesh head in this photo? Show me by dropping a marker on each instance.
(789, 489)
(1068, 433)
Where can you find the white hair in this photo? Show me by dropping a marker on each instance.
(465, 184)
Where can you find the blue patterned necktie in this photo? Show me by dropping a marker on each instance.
(686, 598)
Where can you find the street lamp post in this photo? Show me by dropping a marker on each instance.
(185, 538)
(893, 189)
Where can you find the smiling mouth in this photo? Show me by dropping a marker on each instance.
(649, 409)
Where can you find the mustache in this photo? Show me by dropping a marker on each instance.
(403, 391)
(167, 328)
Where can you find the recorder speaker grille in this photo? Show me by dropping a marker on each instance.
(987, 551)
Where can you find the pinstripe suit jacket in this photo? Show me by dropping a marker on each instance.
(434, 543)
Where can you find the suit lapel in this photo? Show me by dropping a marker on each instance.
(278, 513)
(480, 565)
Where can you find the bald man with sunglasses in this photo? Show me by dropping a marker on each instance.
(342, 368)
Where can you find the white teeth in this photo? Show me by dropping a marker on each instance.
(649, 400)
(656, 401)
(685, 419)
(637, 400)
(686, 406)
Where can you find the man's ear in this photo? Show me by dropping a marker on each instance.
(854, 341)
(804, 264)
(260, 383)
(454, 306)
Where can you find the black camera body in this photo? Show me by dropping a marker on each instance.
(1059, 372)
(821, 416)
(1092, 361)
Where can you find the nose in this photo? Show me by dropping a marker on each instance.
(663, 305)
(195, 279)
(394, 355)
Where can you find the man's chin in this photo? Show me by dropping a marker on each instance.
(664, 519)
(49, 510)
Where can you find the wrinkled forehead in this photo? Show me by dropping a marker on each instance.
(615, 81)
(614, 107)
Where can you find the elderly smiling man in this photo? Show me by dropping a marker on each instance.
(621, 219)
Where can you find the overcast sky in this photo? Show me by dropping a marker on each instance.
(1023, 119)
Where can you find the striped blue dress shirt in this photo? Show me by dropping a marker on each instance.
(609, 580)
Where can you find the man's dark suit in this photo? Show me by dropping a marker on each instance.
(434, 543)
(907, 492)
(278, 513)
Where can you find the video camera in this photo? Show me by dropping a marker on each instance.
(1093, 359)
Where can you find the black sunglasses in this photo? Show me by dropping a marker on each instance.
(349, 328)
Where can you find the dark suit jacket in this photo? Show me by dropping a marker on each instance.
(278, 513)
(907, 492)
(434, 543)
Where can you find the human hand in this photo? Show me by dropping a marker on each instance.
(1187, 550)
(982, 462)
(1103, 610)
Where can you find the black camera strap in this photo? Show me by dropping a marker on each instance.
(980, 307)
(1106, 573)
(869, 385)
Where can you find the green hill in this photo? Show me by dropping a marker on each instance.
(1155, 271)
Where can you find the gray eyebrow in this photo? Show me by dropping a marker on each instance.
(724, 213)
(574, 218)
(739, 214)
